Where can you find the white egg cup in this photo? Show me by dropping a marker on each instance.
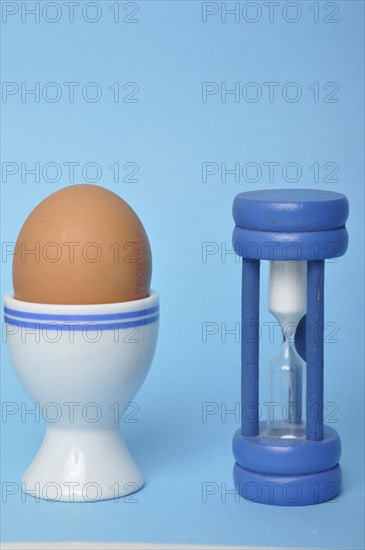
(82, 365)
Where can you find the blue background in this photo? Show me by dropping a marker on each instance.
(169, 133)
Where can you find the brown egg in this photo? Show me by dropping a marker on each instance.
(82, 245)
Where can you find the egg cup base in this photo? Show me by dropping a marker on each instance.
(102, 470)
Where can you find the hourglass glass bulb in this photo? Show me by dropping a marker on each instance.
(287, 302)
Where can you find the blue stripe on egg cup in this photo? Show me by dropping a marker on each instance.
(37, 321)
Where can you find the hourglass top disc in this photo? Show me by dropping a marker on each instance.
(286, 210)
(290, 224)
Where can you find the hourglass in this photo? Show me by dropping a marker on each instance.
(292, 457)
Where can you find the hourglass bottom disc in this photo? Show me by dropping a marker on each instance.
(287, 472)
(296, 490)
(287, 456)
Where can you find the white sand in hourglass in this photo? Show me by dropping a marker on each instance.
(287, 302)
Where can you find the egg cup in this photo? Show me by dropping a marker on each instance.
(82, 365)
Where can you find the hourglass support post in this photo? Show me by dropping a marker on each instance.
(250, 347)
(314, 350)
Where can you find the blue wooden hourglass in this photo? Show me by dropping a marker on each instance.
(292, 458)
